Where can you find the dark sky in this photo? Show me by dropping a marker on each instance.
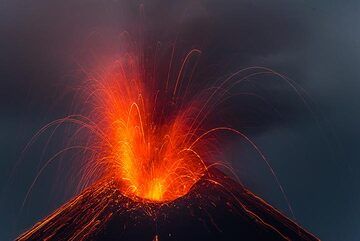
(313, 148)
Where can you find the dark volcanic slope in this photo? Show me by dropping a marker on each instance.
(217, 208)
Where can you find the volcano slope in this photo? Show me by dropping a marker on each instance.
(216, 208)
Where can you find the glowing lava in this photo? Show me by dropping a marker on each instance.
(149, 133)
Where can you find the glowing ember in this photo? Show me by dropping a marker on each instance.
(149, 147)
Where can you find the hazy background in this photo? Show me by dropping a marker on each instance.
(316, 43)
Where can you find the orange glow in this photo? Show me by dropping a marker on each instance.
(149, 135)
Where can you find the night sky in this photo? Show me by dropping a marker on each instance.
(312, 146)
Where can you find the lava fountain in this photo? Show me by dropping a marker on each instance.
(148, 132)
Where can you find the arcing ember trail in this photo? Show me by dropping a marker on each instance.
(153, 171)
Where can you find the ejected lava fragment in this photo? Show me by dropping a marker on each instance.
(216, 208)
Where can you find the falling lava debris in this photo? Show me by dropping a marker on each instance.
(216, 208)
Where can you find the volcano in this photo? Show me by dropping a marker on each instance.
(216, 208)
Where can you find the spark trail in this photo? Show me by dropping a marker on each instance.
(152, 152)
